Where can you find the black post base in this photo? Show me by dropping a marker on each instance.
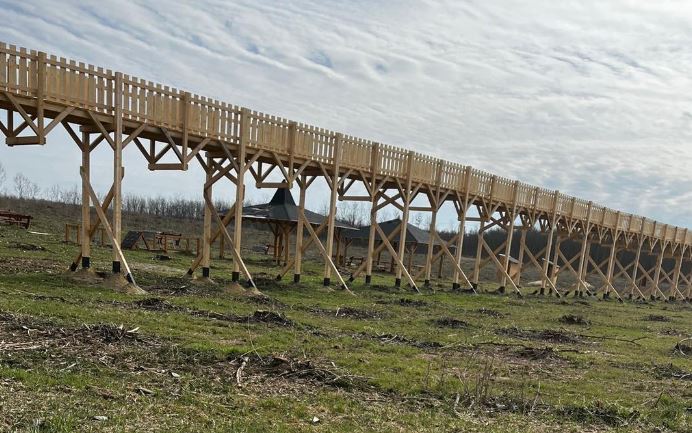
(327, 281)
(86, 262)
(73, 267)
(426, 283)
(116, 267)
(368, 279)
(397, 283)
(235, 277)
(296, 278)
(456, 286)
(206, 272)
(542, 292)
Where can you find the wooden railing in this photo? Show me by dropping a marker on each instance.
(60, 81)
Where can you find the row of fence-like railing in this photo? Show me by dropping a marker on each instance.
(69, 83)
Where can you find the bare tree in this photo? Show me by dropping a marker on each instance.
(353, 213)
(3, 177)
(24, 187)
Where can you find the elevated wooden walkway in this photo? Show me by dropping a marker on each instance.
(172, 128)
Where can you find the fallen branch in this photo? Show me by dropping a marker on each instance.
(239, 371)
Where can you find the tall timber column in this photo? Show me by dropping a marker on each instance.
(404, 219)
(86, 203)
(431, 244)
(206, 235)
(463, 207)
(548, 248)
(435, 205)
(302, 184)
(117, 170)
(374, 195)
(240, 190)
(511, 215)
(585, 244)
(676, 279)
(332, 209)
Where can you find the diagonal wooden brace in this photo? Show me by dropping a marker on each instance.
(107, 226)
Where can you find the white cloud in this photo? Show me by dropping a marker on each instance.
(589, 97)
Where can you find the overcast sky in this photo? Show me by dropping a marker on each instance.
(590, 97)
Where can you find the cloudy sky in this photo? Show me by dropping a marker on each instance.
(590, 97)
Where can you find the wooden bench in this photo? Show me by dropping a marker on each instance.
(12, 218)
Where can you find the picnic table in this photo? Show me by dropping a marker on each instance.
(8, 217)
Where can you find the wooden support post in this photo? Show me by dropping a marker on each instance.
(556, 256)
(463, 208)
(657, 275)
(548, 247)
(435, 204)
(511, 215)
(240, 189)
(585, 249)
(374, 195)
(431, 244)
(40, 99)
(331, 217)
(611, 261)
(406, 197)
(117, 170)
(107, 227)
(206, 230)
(637, 257)
(479, 251)
(609, 272)
(85, 238)
(522, 248)
(302, 185)
(674, 290)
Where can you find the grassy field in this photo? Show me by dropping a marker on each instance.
(192, 356)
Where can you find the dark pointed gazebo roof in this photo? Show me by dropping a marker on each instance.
(282, 208)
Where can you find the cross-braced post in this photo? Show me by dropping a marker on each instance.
(117, 172)
(86, 204)
(406, 197)
(206, 230)
(331, 217)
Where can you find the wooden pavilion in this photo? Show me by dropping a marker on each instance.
(281, 214)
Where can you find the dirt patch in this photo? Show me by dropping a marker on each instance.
(41, 333)
(262, 316)
(669, 371)
(553, 336)
(301, 370)
(490, 312)
(17, 265)
(672, 332)
(574, 319)
(683, 347)
(259, 316)
(657, 318)
(26, 247)
(449, 322)
(155, 304)
(406, 302)
(536, 353)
